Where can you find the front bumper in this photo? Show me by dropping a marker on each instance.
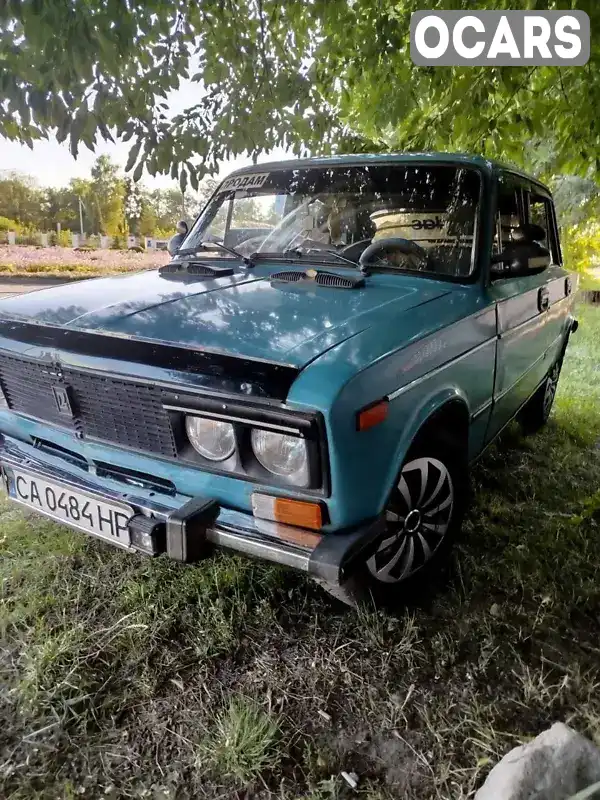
(186, 527)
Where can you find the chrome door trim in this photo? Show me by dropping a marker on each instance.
(417, 381)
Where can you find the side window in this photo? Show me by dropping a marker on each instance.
(509, 213)
(541, 213)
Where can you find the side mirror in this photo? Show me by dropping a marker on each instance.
(175, 243)
(520, 259)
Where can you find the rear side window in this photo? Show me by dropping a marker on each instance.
(510, 212)
(518, 203)
(541, 213)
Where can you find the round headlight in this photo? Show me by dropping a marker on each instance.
(211, 438)
(281, 454)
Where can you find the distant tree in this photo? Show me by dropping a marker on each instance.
(148, 222)
(168, 207)
(577, 199)
(81, 189)
(107, 193)
(60, 206)
(110, 203)
(9, 225)
(21, 199)
(132, 205)
(206, 189)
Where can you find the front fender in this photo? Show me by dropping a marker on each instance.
(365, 464)
(421, 370)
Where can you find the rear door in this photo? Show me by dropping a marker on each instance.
(529, 316)
(557, 284)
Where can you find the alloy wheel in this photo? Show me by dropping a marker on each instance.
(418, 517)
(550, 390)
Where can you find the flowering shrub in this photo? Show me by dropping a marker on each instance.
(65, 259)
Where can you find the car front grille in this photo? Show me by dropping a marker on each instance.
(110, 409)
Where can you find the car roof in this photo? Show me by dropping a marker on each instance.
(489, 166)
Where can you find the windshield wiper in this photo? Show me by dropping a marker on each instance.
(192, 251)
(333, 253)
(296, 251)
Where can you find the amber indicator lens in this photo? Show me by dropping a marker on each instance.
(287, 511)
(372, 415)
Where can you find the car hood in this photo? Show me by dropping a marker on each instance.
(245, 314)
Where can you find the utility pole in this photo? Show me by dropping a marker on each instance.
(80, 216)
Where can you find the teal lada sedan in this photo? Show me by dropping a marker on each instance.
(333, 343)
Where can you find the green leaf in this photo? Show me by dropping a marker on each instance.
(137, 173)
(132, 157)
(77, 128)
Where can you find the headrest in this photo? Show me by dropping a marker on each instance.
(529, 233)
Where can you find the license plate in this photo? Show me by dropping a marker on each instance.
(76, 508)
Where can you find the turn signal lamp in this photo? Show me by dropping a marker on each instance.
(372, 415)
(300, 513)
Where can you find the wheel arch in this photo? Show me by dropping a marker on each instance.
(441, 417)
(448, 423)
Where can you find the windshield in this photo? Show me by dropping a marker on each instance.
(322, 211)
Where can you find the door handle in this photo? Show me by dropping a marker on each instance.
(543, 299)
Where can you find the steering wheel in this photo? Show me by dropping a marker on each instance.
(354, 250)
(405, 246)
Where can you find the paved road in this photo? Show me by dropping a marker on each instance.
(10, 286)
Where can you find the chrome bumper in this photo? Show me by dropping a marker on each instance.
(183, 529)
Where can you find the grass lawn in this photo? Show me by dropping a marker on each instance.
(127, 677)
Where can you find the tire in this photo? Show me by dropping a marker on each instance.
(536, 412)
(424, 514)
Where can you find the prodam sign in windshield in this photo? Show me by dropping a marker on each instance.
(252, 181)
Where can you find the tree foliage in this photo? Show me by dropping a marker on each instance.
(111, 203)
(20, 199)
(107, 193)
(318, 76)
